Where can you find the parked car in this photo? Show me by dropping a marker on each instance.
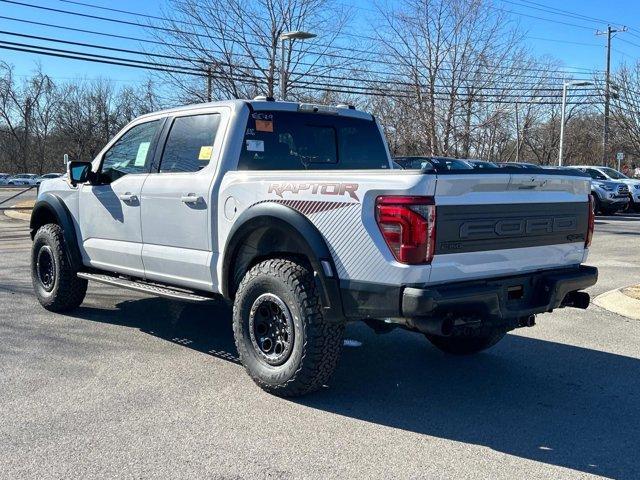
(292, 213)
(47, 176)
(609, 196)
(3, 178)
(22, 179)
(482, 164)
(606, 173)
(437, 164)
(523, 165)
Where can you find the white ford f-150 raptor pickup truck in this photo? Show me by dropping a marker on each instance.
(293, 213)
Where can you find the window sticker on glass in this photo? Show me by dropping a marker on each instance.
(264, 125)
(142, 154)
(255, 145)
(205, 152)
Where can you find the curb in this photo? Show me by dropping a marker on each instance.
(17, 214)
(617, 302)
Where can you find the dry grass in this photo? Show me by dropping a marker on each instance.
(633, 292)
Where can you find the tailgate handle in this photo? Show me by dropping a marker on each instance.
(191, 198)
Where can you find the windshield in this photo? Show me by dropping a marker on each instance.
(439, 164)
(482, 165)
(595, 174)
(611, 173)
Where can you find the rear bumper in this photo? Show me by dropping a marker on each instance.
(504, 298)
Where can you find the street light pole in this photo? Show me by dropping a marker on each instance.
(517, 134)
(562, 114)
(297, 35)
(565, 87)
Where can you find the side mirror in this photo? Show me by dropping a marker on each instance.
(79, 172)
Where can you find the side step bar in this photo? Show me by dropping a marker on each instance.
(150, 288)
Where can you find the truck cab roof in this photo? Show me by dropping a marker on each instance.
(264, 104)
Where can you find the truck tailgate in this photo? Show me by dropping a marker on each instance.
(505, 223)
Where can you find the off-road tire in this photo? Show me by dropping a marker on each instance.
(468, 344)
(317, 344)
(66, 290)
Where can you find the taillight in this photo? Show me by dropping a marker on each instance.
(408, 225)
(592, 222)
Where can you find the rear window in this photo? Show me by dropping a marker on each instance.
(311, 141)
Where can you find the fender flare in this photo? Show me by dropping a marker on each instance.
(51, 209)
(259, 226)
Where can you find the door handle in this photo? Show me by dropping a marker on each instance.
(128, 197)
(191, 198)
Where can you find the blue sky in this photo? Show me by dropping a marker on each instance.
(543, 37)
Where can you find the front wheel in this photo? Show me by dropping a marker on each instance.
(283, 341)
(468, 344)
(55, 281)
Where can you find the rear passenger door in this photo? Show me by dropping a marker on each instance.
(176, 201)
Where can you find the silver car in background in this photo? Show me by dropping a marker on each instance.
(24, 179)
(607, 173)
(609, 196)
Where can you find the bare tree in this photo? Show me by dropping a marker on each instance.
(234, 45)
(626, 108)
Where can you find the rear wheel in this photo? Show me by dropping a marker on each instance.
(54, 280)
(282, 338)
(469, 344)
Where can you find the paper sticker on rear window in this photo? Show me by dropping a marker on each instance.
(264, 125)
(255, 146)
(205, 152)
(142, 154)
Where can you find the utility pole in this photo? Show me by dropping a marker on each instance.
(607, 90)
(517, 134)
(27, 126)
(209, 83)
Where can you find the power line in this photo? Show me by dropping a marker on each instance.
(172, 30)
(523, 78)
(503, 92)
(313, 87)
(516, 78)
(366, 37)
(477, 89)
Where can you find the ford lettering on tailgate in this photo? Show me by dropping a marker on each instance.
(515, 227)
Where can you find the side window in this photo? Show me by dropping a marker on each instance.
(130, 154)
(189, 145)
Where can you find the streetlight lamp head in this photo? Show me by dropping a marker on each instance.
(297, 35)
(578, 83)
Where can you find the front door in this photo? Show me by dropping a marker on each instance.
(109, 209)
(177, 204)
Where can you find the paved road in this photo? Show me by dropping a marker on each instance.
(7, 192)
(139, 387)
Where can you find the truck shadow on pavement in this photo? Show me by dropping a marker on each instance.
(548, 402)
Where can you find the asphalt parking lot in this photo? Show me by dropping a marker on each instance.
(134, 386)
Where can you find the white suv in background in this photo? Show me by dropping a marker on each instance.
(22, 179)
(47, 176)
(611, 174)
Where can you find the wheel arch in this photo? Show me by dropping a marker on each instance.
(269, 229)
(51, 209)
